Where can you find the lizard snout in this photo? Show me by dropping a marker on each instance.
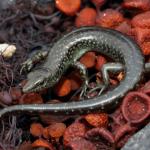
(28, 87)
(33, 85)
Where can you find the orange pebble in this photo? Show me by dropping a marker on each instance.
(75, 79)
(69, 7)
(88, 59)
(86, 17)
(100, 61)
(146, 48)
(56, 130)
(42, 143)
(97, 120)
(63, 88)
(109, 18)
(36, 129)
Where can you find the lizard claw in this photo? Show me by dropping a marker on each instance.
(26, 66)
(100, 87)
(84, 90)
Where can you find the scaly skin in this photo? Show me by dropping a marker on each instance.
(67, 51)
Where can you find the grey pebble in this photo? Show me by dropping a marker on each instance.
(139, 141)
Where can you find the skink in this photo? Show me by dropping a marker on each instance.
(66, 52)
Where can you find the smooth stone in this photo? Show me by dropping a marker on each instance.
(139, 141)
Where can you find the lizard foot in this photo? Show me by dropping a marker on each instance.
(100, 87)
(84, 90)
(26, 66)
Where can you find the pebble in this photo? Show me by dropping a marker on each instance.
(140, 141)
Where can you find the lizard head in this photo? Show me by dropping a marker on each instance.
(38, 80)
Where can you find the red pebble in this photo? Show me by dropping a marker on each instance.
(31, 98)
(123, 134)
(123, 130)
(141, 20)
(100, 132)
(136, 107)
(117, 117)
(109, 18)
(137, 4)
(73, 131)
(80, 143)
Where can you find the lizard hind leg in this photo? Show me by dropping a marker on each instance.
(84, 75)
(112, 67)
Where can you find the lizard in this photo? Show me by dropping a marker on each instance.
(66, 53)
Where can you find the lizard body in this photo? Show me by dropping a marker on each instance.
(67, 51)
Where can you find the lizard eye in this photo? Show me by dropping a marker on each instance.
(39, 82)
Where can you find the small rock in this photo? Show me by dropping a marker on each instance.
(7, 50)
(139, 141)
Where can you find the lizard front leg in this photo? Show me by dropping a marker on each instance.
(34, 59)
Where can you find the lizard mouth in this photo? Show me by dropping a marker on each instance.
(28, 87)
(32, 86)
(36, 80)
